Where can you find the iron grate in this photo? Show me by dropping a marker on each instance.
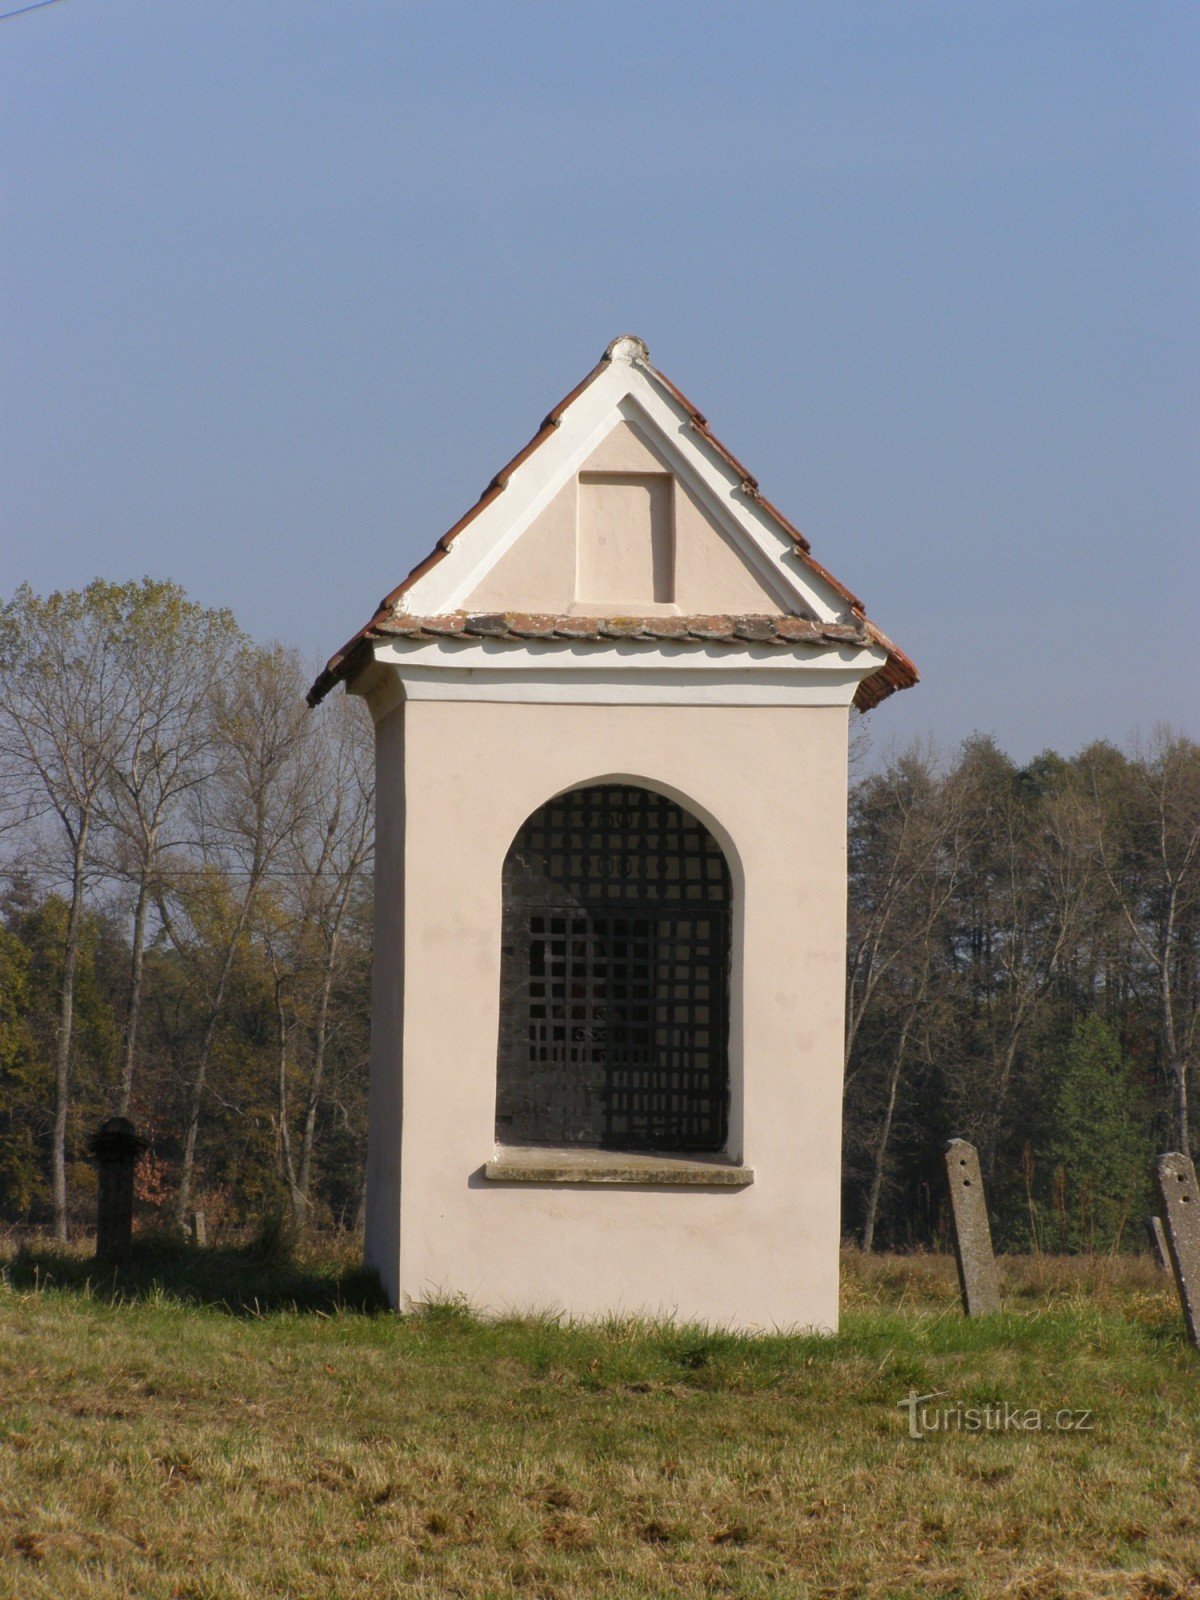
(614, 977)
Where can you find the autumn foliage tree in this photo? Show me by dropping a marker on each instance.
(168, 802)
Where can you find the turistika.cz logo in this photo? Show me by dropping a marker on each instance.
(999, 1416)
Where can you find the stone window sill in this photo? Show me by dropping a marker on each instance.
(522, 1164)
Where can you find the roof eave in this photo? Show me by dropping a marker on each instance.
(730, 632)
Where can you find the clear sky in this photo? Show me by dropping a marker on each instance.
(283, 284)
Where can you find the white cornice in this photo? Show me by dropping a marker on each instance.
(620, 674)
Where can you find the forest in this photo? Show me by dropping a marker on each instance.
(185, 929)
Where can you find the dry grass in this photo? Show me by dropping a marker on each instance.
(156, 1448)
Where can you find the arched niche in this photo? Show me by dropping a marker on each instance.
(615, 962)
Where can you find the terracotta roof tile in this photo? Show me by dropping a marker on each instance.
(732, 632)
(491, 626)
(716, 628)
(514, 627)
(757, 630)
(401, 623)
(623, 628)
(668, 627)
(531, 627)
(795, 630)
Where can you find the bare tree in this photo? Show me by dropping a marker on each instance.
(64, 701)
(170, 670)
(245, 816)
(309, 922)
(1025, 895)
(907, 843)
(897, 832)
(912, 995)
(283, 972)
(331, 860)
(915, 1001)
(1146, 836)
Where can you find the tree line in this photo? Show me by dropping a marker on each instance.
(1024, 972)
(185, 927)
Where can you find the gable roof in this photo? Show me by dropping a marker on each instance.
(395, 619)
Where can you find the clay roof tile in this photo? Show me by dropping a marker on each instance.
(757, 630)
(575, 628)
(494, 625)
(622, 627)
(523, 626)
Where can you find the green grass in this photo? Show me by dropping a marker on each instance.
(218, 1425)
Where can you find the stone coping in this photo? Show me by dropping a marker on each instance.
(525, 1164)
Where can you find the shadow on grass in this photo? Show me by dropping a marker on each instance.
(242, 1280)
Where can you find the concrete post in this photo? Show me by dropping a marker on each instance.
(1179, 1201)
(115, 1148)
(977, 1279)
(1158, 1243)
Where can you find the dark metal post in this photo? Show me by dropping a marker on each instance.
(115, 1148)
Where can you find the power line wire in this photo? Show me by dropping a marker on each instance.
(21, 10)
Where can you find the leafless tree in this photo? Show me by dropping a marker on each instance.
(908, 841)
(245, 816)
(899, 826)
(331, 860)
(1024, 898)
(1146, 836)
(303, 926)
(64, 703)
(913, 990)
(183, 651)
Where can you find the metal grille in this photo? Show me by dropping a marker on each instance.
(614, 977)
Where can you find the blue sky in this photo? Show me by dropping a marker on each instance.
(282, 285)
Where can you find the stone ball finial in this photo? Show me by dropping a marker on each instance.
(627, 347)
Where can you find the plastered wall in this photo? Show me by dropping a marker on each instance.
(456, 780)
(552, 567)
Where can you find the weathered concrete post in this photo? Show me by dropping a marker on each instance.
(115, 1147)
(1158, 1243)
(977, 1279)
(1179, 1200)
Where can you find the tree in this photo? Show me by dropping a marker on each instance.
(905, 851)
(18, 1081)
(331, 857)
(64, 699)
(254, 804)
(896, 833)
(182, 650)
(1146, 836)
(1022, 899)
(1095, 1147)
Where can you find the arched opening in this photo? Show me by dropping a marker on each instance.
(614, 997)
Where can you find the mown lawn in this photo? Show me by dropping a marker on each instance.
(164, 1444)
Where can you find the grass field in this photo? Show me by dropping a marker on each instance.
(228, 1426)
